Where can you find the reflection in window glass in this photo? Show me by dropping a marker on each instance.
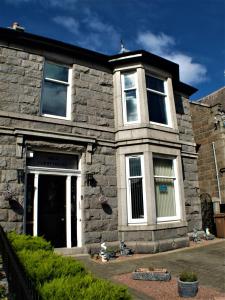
(54, 99)
(129, 81)
(56, 72)
(54, 94)
(130, 97)
(131, 104)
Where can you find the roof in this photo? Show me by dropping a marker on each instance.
(13, 37)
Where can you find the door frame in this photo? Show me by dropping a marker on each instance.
(59, 172)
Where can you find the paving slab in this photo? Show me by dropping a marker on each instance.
(208, 261)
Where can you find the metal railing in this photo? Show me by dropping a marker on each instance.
(20, 286)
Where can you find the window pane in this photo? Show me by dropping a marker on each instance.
(137, 198)
(165, 197)
(135, 166)
(131, 104)
(54, 99)
(163, 167)
(155, 84)
(157, 108)
(129, 81)
(56, 72)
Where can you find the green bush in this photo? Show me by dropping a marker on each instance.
(44, 265)
(82, 287)
(188, 276)
(22, 241)
(57, 277)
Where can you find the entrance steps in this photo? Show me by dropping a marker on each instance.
(74, 251)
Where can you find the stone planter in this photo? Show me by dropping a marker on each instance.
(151, 274)
(187, 289)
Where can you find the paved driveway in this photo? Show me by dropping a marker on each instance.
(207, 261)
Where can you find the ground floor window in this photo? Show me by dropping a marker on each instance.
(159, 194)
(165, 185)
(135, 183)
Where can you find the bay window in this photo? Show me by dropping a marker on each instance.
(130, 98)
(55, 100)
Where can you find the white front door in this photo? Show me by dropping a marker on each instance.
(53, 207)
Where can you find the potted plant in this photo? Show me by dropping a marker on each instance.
(188, 284)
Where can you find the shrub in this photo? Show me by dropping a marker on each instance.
(44, 265)
(22, 241)
(57, 277)
(188, 276)
(82, 287)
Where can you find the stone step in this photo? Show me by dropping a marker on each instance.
(74, 251)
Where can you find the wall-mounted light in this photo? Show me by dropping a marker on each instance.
(20, 175)
(222, 170)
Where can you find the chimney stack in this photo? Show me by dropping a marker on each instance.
(16, 26)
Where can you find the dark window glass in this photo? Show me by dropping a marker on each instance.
(137, 198)
(155, 84)
(157, 108)
(54, 99)
(135, 166)
(56, 72)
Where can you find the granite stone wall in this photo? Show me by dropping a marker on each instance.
(190, 169)
(11, 192)
(208, 128)
(21, 75)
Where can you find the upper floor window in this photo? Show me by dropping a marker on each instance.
(130, 98)
(157, 102)
(56, 91)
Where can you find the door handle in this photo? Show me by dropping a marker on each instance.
(62, 219)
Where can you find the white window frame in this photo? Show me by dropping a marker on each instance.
(128, 177)
(177, 198)
(165, 94)
(124, 97)
(68, 97)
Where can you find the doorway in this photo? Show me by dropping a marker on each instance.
(52, 208)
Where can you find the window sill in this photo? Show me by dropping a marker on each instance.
(55, 117)
(150, 227)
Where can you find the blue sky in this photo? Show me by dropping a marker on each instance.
(189, 32)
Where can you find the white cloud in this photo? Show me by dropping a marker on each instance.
(163, 45)
(69, 23)
(66, 4)
(156, 43)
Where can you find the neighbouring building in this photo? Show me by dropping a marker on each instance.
(94, 147)
(208, 118)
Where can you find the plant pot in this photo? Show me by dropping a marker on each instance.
(187, 289)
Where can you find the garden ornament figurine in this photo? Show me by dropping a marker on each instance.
(195, 236)
(103, 253)
(124, 250)
(208, 235)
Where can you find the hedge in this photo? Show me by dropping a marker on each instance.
(57, 277)
(22, 241)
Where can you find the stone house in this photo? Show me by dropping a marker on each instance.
(95, 147)
(208, 118)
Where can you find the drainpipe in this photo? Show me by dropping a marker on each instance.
(217, 173)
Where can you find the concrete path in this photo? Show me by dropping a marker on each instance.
(207, 261)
